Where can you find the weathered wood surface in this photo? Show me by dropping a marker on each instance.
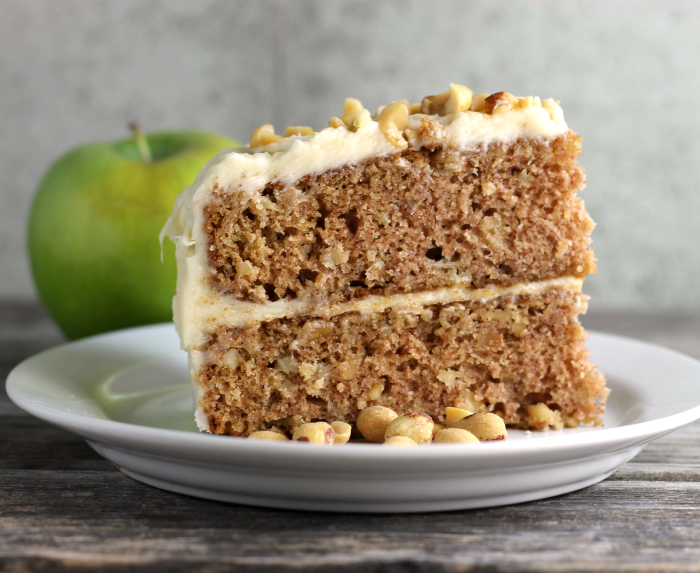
(63, 508)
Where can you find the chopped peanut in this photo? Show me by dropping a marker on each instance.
(392, 123)
(437, 428)
(499, 102)
(455, 436)
(414, 425)
(342, 432)
(400, 441)
(485, 426)
(434, 104)
(264, 135)
(298, 130)
(454, 414)
(460, 99)
(268, 435)
(373, 422)
(315, 433)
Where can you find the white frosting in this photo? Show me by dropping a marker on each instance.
(214, 310)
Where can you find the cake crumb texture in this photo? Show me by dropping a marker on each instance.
(412, 221)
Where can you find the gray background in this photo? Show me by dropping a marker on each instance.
(627, 74)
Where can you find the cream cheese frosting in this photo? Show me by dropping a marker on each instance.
(215, 310)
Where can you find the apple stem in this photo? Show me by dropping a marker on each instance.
(141, 142)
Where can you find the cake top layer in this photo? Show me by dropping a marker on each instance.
(452, 120)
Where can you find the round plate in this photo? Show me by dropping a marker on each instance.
(128, 394)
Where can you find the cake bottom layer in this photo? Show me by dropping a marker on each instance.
(506, 355)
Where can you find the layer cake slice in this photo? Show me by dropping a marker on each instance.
(428, 255)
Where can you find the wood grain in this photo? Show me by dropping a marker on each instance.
(64, 508)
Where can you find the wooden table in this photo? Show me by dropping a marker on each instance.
(62, 507)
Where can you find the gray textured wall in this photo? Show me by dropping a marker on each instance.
(627, 73)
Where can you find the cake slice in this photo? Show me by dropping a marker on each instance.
(428, 255)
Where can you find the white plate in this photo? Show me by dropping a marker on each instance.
(128, 394)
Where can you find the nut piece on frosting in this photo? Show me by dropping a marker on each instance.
(393, 118)
(264, 135)
(392, 123)
(336, 122)
(479, 103)
(499, 102)
(298, 130)
(354, 116)
(351, 109)
(459, 98)
(434, 104)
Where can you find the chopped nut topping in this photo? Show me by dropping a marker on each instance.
(551, 106)
(393, 118)
(361, 119)
(298, 130)
(434, 104)
(336, 122)
(351, 109)
(499, 102)
(525, 102)
(479, 103)
(264, 135)
(460, 99)
(392, 123)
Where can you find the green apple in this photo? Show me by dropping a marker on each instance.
(94, 225)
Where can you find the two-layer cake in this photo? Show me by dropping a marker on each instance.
(428, 255)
